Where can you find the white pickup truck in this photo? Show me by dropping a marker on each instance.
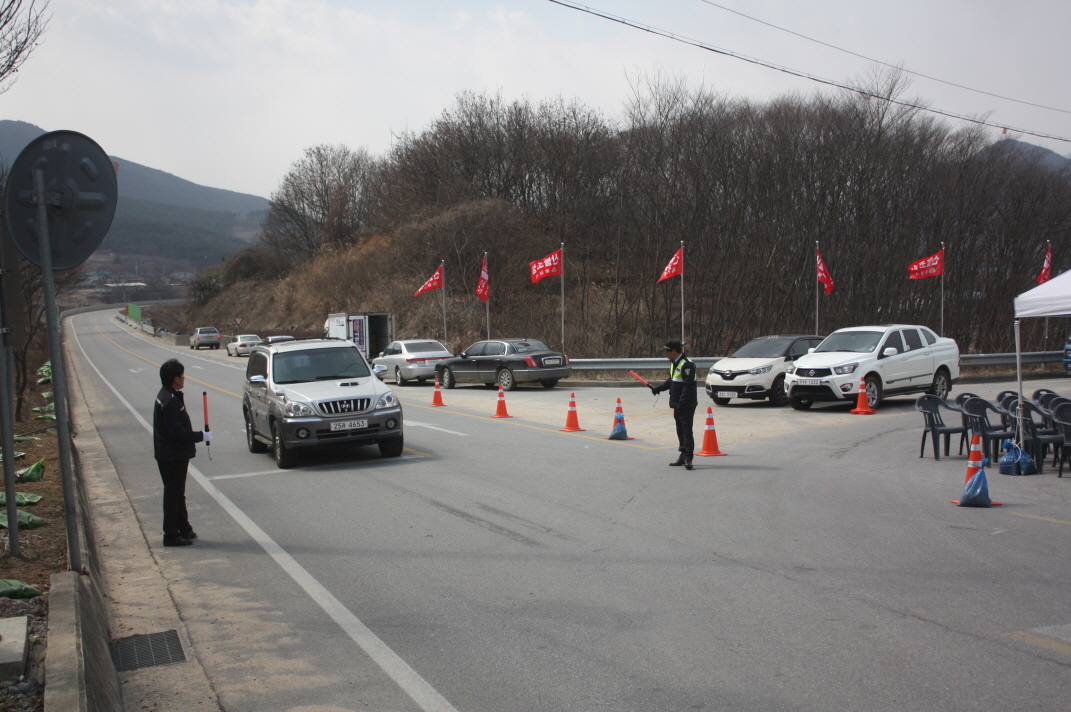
(893, 359)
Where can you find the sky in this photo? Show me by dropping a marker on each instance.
(229, 93)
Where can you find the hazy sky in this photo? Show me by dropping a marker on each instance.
(228, 93)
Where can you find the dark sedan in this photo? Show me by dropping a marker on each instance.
(506, 362)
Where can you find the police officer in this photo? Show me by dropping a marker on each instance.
(682, 399)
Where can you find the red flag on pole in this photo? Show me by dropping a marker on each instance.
(546, 267)
(823, 274)
(1046, 268)
(484, 284)
(434, 282)
(675, 266)
(932, 266)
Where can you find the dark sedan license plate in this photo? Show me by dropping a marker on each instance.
(552, 362)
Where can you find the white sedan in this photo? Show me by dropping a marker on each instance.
(241, 345)
(412, 359)
(891, 360)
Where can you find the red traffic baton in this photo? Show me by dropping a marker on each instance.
(637, 377)
(204, 394)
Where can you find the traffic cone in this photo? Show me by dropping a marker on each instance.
(710, 438)
(500, 412)
(974, 459)
(619, 432)
(572, 423)
(976, 490)
(437, 399)
(862, 406)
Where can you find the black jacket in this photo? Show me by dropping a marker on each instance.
(682, 393)
(172, 436)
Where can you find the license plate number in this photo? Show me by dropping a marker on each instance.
(726, 394)
(809, 382)
(349, 425)
(552, 362)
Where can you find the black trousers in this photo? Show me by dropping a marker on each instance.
(176, 521)
(682, 416)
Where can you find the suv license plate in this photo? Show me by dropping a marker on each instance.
(809, 382)
(349, 425)
(727, 394)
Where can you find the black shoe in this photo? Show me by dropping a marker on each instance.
(177, 541)
(678, 463)
(688, 465)
(191, 535)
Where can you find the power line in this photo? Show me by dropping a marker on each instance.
(793, 72)
(884, 64)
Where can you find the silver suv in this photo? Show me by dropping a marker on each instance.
(301, 394)
(204, 336)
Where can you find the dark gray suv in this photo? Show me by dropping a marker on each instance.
(319, 392)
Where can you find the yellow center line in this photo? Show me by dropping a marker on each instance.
(1041, 642)
(534, 427)
(1044, 519)
(189, 378)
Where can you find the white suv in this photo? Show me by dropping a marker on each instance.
(756, 370)
(893, 359)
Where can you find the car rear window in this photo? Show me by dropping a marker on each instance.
(421, 347)
(318, 365)
(762, 348)
(209, 331)
(524, 347)
(863, 342)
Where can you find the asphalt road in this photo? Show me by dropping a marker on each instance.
(500, 564)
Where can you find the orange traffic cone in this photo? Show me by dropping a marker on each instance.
(862, 406)
(974, 459)
(572, 423)
(619, 432)
(710, 438)
(437, 399)
(500, 412)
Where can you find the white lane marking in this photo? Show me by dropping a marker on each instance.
(429, 426)
(325, 468)
(421, 692)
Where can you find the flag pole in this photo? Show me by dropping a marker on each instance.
(816, 287)
(446, 339)
(563, 297)
(487, 305)
(942, 289)
(682, 292)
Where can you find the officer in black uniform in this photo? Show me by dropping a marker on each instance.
(173, 442)
(683, 399)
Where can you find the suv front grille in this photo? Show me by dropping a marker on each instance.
(344, 406)
(813, 372)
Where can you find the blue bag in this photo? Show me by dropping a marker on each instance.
(976, 491)
(1016, 461)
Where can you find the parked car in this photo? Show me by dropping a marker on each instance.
(757, 369)
(412, 359)
(242, 345)
(893, 359)
(316, 392)
(506, 362)
(204, 336)
(277, 339)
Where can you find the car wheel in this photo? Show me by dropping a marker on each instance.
(941, 384)
(778, 397)
(191, 347)
(447, 378)
(251, 442)
(800, 403)
(399, 378)
(391, 447)
(720, 401)
(506, 380)
(549, 382)
(284, 457)
(873, 391)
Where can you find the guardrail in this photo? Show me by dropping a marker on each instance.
(649, 364)
(1009, 359)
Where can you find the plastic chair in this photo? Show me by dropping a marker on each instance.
(962, 397)
(1036, 397)
(1043, 399)
(958, 405)
(930, 407)
(1061, 415)
(1037, 432)
(977, 412)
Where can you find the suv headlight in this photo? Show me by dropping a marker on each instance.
(761, 369)
(845, 369)
(791, 368)
(387, 400)
(295, 409)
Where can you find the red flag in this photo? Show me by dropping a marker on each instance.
(1046, 269)
(675, 266)
(932, 266)
(484, 284)
(546, 267)
(434, 282)
(823, 274)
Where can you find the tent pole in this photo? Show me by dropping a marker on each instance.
(1019, 374)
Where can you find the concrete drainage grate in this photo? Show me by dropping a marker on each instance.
(142, 651)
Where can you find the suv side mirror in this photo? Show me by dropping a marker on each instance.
(258, 380)
(891, 351)
(811, 350)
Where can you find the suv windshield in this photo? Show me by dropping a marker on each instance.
(852, 341)
(762, 348)
(318, 365)
(524, 347)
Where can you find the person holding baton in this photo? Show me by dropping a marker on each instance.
(683, 399)
(174, 445)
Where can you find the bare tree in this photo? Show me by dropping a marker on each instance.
(20, 32)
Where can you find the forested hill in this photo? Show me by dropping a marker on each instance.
(161, 214)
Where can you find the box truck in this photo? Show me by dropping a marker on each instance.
(370, 332)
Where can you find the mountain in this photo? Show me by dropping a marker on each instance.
(161, 214)
(1049, 159)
